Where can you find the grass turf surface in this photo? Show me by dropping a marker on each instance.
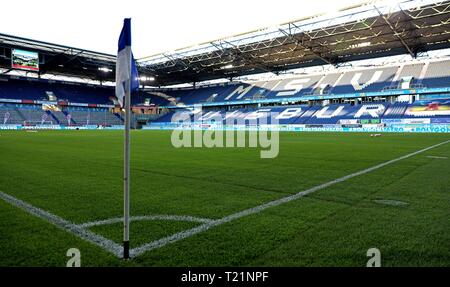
(77, 176)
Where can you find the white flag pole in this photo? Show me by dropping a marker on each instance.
(126, 171)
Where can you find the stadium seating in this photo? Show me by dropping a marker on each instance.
(396, 110)
(284, 115)
(10, 115)
(317, 115)
(38, 90)
(35, 115)
(420, 74)
(434, 74)
(437, 74)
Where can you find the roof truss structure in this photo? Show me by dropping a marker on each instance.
(371, 30)
(60, 60)
(361, 32)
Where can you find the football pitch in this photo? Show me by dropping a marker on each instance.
(324, 201)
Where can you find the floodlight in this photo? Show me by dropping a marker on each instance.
(105, 69)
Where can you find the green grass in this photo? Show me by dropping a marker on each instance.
(77, 175)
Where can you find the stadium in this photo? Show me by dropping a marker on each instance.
(323, 141)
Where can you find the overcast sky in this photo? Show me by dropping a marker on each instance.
(157, 25)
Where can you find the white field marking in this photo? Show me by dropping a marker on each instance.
(87, 235)
(437, 157)
(204, 227)
(391, 202)
(146, 218)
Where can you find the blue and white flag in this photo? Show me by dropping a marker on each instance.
(125, 65)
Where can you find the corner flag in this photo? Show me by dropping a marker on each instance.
(125, 66)
(126, 82)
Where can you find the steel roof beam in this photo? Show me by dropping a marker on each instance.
(397, 34)
(299, 42)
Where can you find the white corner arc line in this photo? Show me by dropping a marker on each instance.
(204, 227)
(146, 218)
(61, 223)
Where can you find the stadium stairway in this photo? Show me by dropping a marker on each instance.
(53, 117)
(119, 116)
(395, 111)
(66, 114)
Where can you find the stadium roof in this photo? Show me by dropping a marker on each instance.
(375, 29)
(60, 60)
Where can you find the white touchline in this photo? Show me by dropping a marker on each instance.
(116, 249)
(87, 235)
(204, 227)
